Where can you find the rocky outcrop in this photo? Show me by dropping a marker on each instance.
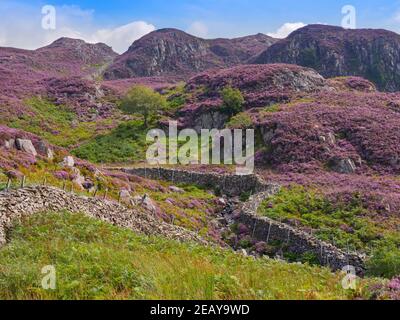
(17, 204)
(260, 85)
(334, 51)
(26, 146)
(210, 120)
(75, 49)
(169, 52)
(44, 149)
(345, 166)
(68, 161)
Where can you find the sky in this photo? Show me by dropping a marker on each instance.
(29, 24)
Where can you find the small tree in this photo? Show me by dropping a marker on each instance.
(144, 101)
(233, 101)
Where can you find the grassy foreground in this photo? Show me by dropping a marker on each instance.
(95, 260)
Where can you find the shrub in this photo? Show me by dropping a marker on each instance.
(240, 121)
(233, 101)
(385, 262)
(344, 224)
(143, 100)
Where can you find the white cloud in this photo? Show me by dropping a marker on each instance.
(122, 37)
(286, 29)
(22, 28)
(198, 29)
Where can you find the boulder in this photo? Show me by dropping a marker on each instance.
(176, 189)
(78, 178)
(10, 144)
(222, 201)
(149, 204)
(125, 196)
(346, 166)
(26, 146)
(68, 162)
(45, 150)
(145, 202)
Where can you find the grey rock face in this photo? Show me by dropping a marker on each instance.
(26, 146)
(346, 166)
(45, 150)
(171, 52)
(10, 144)
(334, 51)
(68, 162)
(210, 120)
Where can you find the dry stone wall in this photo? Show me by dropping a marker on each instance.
(263, 228)
(228, 184)
(296, 241)
(16, 204)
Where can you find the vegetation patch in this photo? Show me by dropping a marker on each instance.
(57, 124)
(345, 225)
(94, 260)
(125, 143)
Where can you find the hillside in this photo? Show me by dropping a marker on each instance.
(171, 52)
(333, 51)
(97, 261)
(327, 165)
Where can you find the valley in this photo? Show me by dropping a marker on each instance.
(326, 179)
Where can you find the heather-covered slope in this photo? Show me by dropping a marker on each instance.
(261, 86)
(334, 51)
(25, 74)
(171, 52)
(332, 127)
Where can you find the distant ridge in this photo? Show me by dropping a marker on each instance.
(333, 51)
(171, 52)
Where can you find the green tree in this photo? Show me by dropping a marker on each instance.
(143, 100)
(233, 101)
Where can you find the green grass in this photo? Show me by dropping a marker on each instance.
(348, 226)
(195, 218)
(240, 121)
(176, 98)
(56, 124)
(125, 143)
(95, 260)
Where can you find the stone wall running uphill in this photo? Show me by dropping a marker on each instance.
(16, 204)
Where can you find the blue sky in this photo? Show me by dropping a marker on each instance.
(206, 18)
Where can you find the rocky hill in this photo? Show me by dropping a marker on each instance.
(173, 52)
(27, 73)
(334, 51)
(261, 86)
